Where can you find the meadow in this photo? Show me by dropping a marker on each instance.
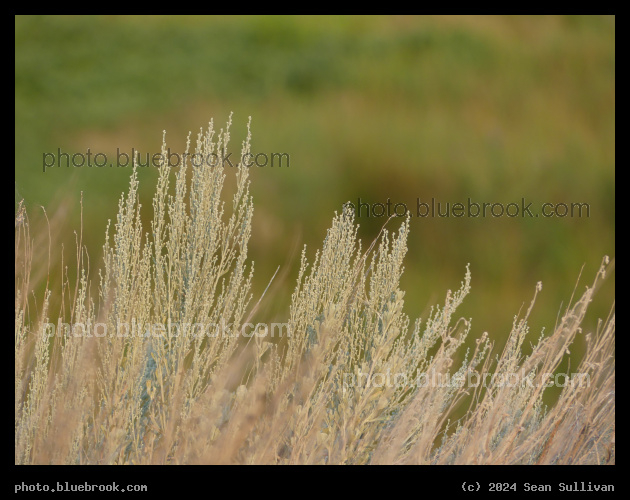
(491, 109)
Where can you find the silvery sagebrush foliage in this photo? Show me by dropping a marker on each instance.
(342, 388)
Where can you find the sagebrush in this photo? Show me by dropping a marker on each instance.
(341, 388)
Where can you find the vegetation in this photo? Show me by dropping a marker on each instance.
(495, 108)
(341, 388)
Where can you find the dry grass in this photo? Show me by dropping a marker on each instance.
(341, 389)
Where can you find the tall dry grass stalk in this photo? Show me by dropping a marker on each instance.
(320, 397)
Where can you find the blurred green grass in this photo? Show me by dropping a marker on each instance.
(491, 108)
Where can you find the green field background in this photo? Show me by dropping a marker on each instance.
(495, 109)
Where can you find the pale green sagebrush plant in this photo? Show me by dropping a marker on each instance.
(176, 399)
